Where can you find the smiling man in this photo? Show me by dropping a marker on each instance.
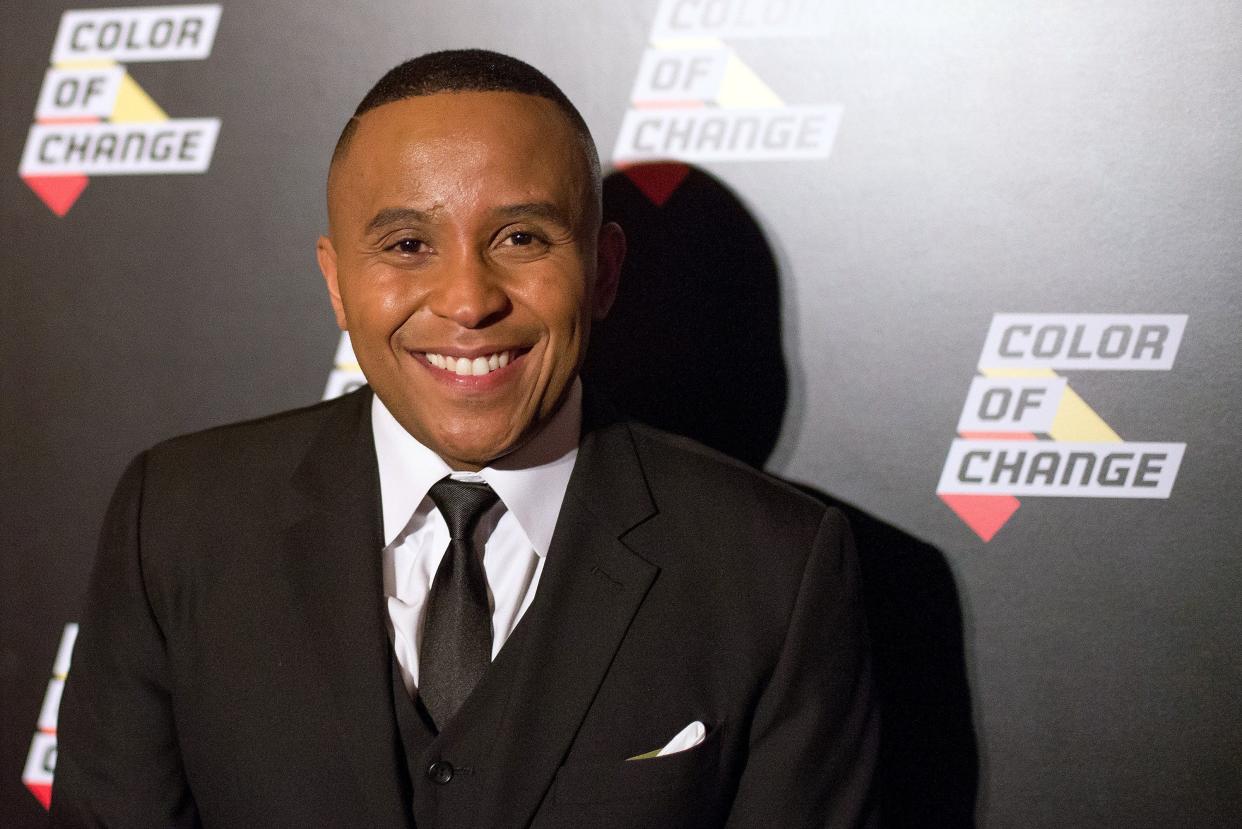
(466, 259)
(467, 594)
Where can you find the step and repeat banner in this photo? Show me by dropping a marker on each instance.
(969, 269)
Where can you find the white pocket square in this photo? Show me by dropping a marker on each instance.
(687, 738)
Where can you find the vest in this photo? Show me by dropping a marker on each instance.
(438, 776)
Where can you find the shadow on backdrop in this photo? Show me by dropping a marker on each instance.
(693, 345)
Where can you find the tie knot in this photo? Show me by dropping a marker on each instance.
(462, 503)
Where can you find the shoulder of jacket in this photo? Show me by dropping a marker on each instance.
(265, 438)
(674, 462)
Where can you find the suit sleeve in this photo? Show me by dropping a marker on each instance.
(815, 735)
(118, 762)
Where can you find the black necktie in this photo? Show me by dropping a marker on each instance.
(457, 635)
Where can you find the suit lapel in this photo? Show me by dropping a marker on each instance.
(590, 589)
(332, 550)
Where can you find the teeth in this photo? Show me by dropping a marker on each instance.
(466, 367)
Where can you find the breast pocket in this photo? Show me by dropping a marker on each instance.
(599, 782)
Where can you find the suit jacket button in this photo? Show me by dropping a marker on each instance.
(441, 771)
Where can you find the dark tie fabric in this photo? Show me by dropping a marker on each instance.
(457, 635)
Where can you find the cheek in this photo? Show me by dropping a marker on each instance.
(392, 308)
(567, 327)
(378, 304)
(558, 299)
(566, 352)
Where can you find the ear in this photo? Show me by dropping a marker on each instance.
(610, 254)
(326, 254)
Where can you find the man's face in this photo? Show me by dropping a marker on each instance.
(466, 261)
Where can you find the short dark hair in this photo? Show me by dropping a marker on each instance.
(470, 70)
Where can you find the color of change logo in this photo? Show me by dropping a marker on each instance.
(41, 760)
(695, 100)
(93, 119)
(1024, 431)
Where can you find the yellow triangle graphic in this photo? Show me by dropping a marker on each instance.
(1017, 372)
(741, 88)
(93, 63)
(133, 104)
(1075, 420)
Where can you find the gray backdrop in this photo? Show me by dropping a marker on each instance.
(1016, 156)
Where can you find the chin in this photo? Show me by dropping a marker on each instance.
(475, 452)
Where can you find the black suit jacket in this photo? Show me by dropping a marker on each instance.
(234, 669)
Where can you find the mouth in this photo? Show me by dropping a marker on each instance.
(478, 365)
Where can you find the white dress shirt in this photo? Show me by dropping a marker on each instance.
(516, 532)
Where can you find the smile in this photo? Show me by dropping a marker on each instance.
(468, 366)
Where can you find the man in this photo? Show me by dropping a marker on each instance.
(290, 624)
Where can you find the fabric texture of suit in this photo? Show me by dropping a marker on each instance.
(233, 666)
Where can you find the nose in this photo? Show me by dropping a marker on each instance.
(469, 293)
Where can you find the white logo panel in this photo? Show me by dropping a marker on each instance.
(145, 33)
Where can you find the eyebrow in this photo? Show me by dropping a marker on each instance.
(538, 209)
(397, 215)
(412, 215)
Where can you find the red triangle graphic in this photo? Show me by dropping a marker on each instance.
(42, 791)
(985, 514)
(58, 192)
(657, 181)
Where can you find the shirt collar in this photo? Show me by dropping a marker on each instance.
(530, 481)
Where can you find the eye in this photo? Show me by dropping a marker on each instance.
(408, 246)
(522, 245)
